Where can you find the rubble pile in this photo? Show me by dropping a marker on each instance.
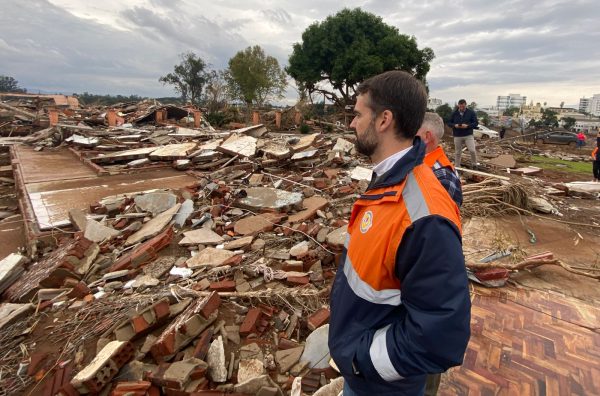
(217, 288)
(222, 285)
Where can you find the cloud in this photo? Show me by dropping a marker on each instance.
(483, 49)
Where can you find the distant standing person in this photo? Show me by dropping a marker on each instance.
(462, 121)
(502, 132)
(596, 160)
(580, 140)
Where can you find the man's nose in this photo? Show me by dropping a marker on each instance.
(353, 123)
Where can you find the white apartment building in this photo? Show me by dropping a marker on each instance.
(584, 103)
(590, 105)
(594, 107)
(512, 100)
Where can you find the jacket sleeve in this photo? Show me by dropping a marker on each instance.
(473, 123)
(594, 153)
(431, 333)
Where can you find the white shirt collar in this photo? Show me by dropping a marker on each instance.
(389, 162)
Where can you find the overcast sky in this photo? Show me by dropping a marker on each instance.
(547, 50)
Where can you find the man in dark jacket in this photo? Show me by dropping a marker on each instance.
(400, 306)
(462, 121)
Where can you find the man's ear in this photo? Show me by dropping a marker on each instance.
(386, 120)
(428, 137)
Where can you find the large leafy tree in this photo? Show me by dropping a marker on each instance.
(569, 122)
(511, 111)
(255, 77)
(337, 54)
(188, 77)
(483, 117)
(215, 92)
(444, 111)
(549, 118)
(9, 84)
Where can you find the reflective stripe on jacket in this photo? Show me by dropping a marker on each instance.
(400, 304)
(438, 159)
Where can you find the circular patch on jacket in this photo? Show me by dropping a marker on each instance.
(366, 222)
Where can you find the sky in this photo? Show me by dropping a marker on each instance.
(546, 50)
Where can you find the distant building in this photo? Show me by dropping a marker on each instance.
(584, 104)
(433, 103)
(563, 111)
(512, 100)
(532, 112)
(491, 111)
(594, 107)
(585, 123)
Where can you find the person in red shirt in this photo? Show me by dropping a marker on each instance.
(580, 140)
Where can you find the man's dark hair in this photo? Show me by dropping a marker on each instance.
(400, 93)
(462, 101)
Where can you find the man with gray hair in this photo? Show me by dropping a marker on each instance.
(431, 133)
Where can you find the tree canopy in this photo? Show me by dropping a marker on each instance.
(337, 54)
(569, 122)
(188, 77)
(483, 117)
(9, 84)
(444, 111)
(549, 118)
(511, 111)
(255, 77)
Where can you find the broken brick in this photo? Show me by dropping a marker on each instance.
(492, 274)
(144, 253)
(103, 367)
(250, 321)
(318, 319)
(211, 304)
(188, 325)
(201, 348)
(298, 280)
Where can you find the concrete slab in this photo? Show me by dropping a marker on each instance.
(173, 151)
(126, 155)
(241, 145)
(260, 198)
(44, 166)
(51, 191)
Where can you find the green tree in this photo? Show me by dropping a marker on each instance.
(549, 118)
(472, 106)
(337, 54)
(444, 111)
(255, 77)
(569, 122)
(9, 84)
(511, 111)
(215, 91)
(483, 117)
(188, 77)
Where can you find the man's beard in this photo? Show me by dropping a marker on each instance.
(367, 142)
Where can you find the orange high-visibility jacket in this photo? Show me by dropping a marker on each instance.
(438, 159)
(400, 304)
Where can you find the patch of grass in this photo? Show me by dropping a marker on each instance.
(561, 165)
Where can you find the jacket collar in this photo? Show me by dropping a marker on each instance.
(401, 168)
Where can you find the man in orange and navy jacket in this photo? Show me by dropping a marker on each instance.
(400, 306)
(431, 133)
